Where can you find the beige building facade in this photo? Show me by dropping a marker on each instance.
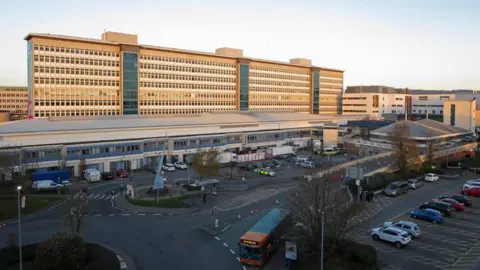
(114, 75)
(15, 100)
(460, 113)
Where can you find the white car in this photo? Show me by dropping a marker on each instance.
(180, 165)
(411, 228)
(301, 159)
(169, 167)
(431, 177)
(393, 235)
(307, 164)
(471, 184)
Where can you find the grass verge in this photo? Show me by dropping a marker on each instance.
(8, 209)
(175, 202)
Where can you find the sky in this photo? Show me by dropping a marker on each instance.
(422, 44)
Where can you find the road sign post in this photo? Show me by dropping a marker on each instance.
(24, 199)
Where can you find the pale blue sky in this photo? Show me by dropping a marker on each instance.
(430, 44)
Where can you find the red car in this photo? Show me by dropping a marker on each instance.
(475, 191)
(455, 204)
(122, 173)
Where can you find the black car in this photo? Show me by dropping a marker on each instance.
(245, 167)
(444, 208)
(459, 198)
(108, 176)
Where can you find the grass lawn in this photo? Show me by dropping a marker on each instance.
(8, 206)
(355, 209)
(175, 202)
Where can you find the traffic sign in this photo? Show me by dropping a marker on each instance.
(24, 199)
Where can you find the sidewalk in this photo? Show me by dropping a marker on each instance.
(126, 262)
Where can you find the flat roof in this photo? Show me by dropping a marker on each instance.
(106, 42)
(227, 119)
(425, 128)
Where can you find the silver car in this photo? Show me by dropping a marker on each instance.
(409, 227)
(414, 183)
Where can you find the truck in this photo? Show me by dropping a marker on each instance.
(58, 176)
(279, 151)
(317, 146)
(227, 157)
(259, 243)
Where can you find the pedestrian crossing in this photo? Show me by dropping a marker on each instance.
(96, 196)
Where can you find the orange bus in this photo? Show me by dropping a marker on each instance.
(257, 245)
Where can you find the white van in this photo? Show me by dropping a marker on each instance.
(330, 151)
(92, 175)
(45, 185)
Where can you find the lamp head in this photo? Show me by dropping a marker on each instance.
(19, 187)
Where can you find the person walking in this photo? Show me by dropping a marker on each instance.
(121, 187)
(113, 197)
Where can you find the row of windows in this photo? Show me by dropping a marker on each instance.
(20, 107)
(77, 103)
(185, 61)
(305, 98)
(263, 88)
(154, 67)
(253, 74)
(188, 102)
(187, 86)
(186, 95)
(355, 111)
(356, 105)
(279, 70)
(168, 111)
(437, 106)
(21, 90)
(72, 81)
(42, 48)
(331, 75)
(25, 94)
(76, 61)
(73, 112)
(103, 149)
(78, 71)
(68, 93)
(270, 108)
(354, 98)
(181, 77)
(277, 83)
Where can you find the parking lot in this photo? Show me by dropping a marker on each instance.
(455, 244)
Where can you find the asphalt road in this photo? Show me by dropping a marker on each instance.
(169, 242)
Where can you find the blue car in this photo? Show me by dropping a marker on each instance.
(427, 214)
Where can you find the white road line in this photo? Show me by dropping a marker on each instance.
(98, 215)
(106, 198)
(250, 201)
(238, 259)
(233, 252)
(171, 214)
(244, 268)
(225, 244)
(101, 197)
(226, 227)
(90, 196)
(158, 214)
(125, 214)
(141, 214)
(216, 237)
(96, 196)
(111, 215)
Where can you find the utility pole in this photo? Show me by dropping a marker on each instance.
(321, 248)
(19, 188)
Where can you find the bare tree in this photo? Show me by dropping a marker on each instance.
(317, 196)
(13, 166)
(403, 146)
(75, 217)
(206, 163)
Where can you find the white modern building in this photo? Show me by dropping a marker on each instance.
(375, 104)
(135, 141)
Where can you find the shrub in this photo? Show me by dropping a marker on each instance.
(99, 258)
(62, 251)
(380, 181)
(9, 255)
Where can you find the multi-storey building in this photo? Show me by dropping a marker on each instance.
(15, 100)
(71, 76)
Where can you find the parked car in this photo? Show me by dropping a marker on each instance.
(245, 167)
(411, 228)
(169, 167)
(122, 173)
(444, 208)
(455, 204)
(459, 198)
(307, 164)
(268, 164)
(267, 171)
(256, 166)
(302, 158)
(276, 162)
(396, 188)
(180, 165)
(430, 215)
(43, 185)
(393, 235)
(475, 191)
(431, 177)
(108, 176)
(414, 183)
(471, 184)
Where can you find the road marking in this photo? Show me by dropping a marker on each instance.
(244, 268)
(106, 198)
(141, 214)
(98, 215)
(125, 214)
(96, 196)
(158, 214)
(171, 214)
(217, 238)
(233, 252)
(226, 227)
(225, 244)
(275, 192)
(102, 197)
(90, 196)
(111, 215)
(238, 259)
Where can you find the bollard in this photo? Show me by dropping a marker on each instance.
(239, 217)
(216, 223)
(251, 212)
(276, 202)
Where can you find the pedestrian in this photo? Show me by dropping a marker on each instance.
(367, 196)
(113, 197)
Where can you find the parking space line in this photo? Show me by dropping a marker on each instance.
(446, 228)
(461, 244)
(470, 257)
(447, 251)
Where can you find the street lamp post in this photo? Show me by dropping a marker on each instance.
(321, 248)
(19, 188)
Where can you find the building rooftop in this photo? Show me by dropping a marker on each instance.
(224, 120)
(425, 128)
(107, 42)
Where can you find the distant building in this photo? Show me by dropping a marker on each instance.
(15, 100)
(461, 113)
